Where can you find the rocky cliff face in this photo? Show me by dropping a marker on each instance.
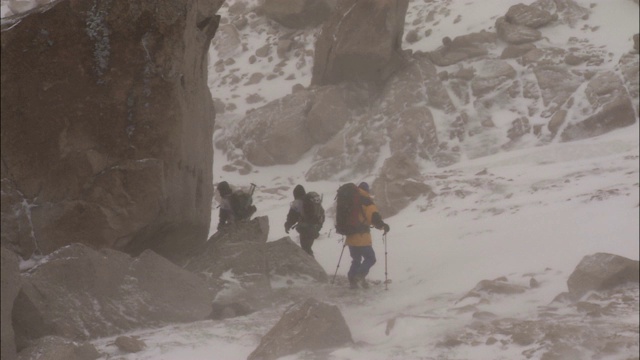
(106, 124)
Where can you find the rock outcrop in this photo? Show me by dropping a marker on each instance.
(79, 293)
(297, 14)
(307, 325)
(285, 259)
(59, 348)
(10, 287)
(602, 272)
(361, 42)
(107, 122)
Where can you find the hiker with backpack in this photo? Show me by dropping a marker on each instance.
(234, 205)
(355, 214)
(306, 215)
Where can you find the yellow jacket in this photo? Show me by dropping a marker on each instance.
(366, 216)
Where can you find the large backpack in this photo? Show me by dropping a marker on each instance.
(349, 210)
(241, 204)
(312, 210)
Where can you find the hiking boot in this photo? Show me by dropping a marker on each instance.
(353, 283)
(364, 283)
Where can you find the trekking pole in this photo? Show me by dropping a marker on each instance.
(336, 273)
(252, 189)
(386, 280)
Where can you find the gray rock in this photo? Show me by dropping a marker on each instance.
(276, 133)
(297, 14)
(514, 51)
(80, 293)
(601, 271)
(399, 182)
(307, 325)
(123, 148)
(239, 250)
(556, 84)
(491, 75)
(286, 259)
(516, 34)
(360, 43)
(329, 113)
(530, 16)
(10, 288)
(462, 48)
(610, 105)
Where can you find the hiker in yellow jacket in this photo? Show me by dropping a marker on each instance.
(362, 254)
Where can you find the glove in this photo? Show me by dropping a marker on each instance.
(287, 228)
(386, 228)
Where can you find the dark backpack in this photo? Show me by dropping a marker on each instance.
(349, 203)
(312, 210)
(242, 205)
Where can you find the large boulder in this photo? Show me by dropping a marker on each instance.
(601, 271)
(235, 256)
(361, 41)
(398, 185)
(462, 48)
(286, 260)
(521, 14)
(306, 325)
(276, 133)
(10, 287)
(80, 293)
(516, 34)
(610, 104)
(297, 14)
(107, 120)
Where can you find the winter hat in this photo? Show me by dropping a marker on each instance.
(223, 188)
(298, 192)
(364, 186)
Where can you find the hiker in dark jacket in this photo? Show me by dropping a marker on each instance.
(225, 216)
(360, 245)
(308, 233)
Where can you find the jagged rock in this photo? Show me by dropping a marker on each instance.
(519, 127)
(630, 67)
(497, 286)
(110, 144)
(130, 344)
(227, 41)
(297, 14)
(567, 11)
(397, 185)
(462, 48)
(286, 259)
(238, 250)
(415, 133)
(556, 84)
(610, 105)
(410, 86)
(491, 75)
(360, 42)
(276, 133)
(514, 51)
(529, 16)
(16, 229)
(516, 34)
(306, 325)
(601, 271)
(10, 274)
(80, 293)
(59, 348)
